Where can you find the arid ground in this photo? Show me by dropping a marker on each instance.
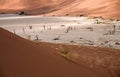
(20, 57)
(59, 38)
(59, 46)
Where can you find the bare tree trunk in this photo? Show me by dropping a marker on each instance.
(37, 37)
(68, 29)
(23, 30)
(44, 27)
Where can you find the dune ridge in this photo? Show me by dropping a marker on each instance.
(19, 57)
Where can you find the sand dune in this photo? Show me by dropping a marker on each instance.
(105, 8)
(22, 58)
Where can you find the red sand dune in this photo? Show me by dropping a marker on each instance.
(22, 58)
(105, 8)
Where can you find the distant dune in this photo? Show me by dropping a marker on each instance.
(104, 8)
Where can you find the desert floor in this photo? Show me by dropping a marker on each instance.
(59, 46)
(67, 30)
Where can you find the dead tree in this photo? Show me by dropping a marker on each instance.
(114, 29)
(57, 38)
(90, 28)
(62, 25)
(23, 30)
(117, 43)
(36, 37)
(22, 13)
(68, 29)
(71, 28)
(44, 27)
(30, 27)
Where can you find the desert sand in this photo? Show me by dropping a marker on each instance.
(23, 58)
(104, 8)
(29, 56)
(59, 38)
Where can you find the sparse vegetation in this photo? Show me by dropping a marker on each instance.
(72, 41)
(44, 27)
(65, 53)
(28, 37)
(81, 15)
(36, 37)
(117, 43)
(30, 27)
(22, 13)
(68, 29)
(24, 30)
(62, 25)
(90, 28)
(56, 38)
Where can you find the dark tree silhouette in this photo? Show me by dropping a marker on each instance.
(22, 13)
